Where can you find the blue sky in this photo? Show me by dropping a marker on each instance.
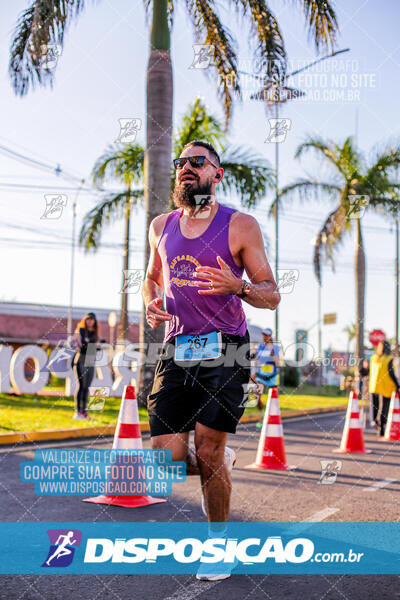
(101, 77)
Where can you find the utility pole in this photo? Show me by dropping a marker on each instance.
(396, 319)
(276, 223)
(72, 271)
(277, 93)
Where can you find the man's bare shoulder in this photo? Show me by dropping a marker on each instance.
(157, 225)
(244, 225)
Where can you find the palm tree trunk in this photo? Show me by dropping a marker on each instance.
(123, 319)
(360, 294)
(158, 156)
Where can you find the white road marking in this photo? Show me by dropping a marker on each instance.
(315, 518)
(193, 590)
(288, 420)
(378, 485)
(321, 515)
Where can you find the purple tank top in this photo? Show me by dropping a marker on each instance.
(192, 312)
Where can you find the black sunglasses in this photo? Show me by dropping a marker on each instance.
(195, 161)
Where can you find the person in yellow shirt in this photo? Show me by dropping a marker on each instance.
(382, 382)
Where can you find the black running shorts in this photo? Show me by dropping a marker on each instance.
(214, 396)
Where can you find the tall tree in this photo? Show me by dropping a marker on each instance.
(124, 164)
(356, 185)
(46, 21)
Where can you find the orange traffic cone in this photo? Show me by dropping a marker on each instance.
(271, 447)
(352, 438)
(127, 437)
(392, 431)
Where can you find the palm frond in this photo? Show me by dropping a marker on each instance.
(329, 237)
(270, 47)
(350, 160)
(198, 124)
(207, 24)
(304, 188)
(326, 149)
(42, 24)
(246, 174)
(124, 162)
(389, 205)
(386, 159)
(321, 21)
(110, 206)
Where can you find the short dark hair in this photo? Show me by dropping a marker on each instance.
(206, 145)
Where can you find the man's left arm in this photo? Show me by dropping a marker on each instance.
(263, 291)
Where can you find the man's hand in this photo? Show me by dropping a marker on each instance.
(220, 281)
(155, 316)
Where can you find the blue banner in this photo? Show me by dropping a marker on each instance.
(84, 472)
(173, 548)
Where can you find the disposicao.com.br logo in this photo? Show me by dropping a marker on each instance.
(183, 547)
(248, 551)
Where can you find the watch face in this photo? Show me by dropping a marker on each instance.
(247, 288)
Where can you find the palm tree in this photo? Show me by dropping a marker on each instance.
(356, 185)
(46, 22)
(246, 175)
(351, 334)
(124, 164)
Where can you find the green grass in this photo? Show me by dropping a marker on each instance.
(296, 401)
(30, 413)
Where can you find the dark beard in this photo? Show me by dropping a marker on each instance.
(194, 196)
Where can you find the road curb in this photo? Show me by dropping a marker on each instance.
(107, 430)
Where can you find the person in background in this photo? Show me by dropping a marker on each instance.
(267, 369)
(363, 373)
(382, 381)
(86, 332)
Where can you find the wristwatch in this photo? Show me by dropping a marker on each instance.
(245, 290)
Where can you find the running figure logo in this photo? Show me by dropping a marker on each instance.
(278, 130)
(203, 56)
(55, 204)
(329, 471)
(62, 547)
(128, 130)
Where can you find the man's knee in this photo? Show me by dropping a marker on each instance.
(210, 455)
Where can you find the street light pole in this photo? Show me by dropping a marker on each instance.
(290, 95)
(396, 320)
(71, 279)
(276, 224)
(320, 367)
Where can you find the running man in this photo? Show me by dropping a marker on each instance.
(198, 254)
(62, 549)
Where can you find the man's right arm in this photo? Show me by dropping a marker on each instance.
(153, 282)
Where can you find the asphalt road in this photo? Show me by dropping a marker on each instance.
(366, 489)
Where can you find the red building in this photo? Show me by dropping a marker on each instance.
(41, 324)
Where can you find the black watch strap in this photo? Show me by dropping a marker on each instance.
(241, 293)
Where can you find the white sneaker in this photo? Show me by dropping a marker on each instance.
(225, 571)
(211, 576)
(78, 417)
(229, 460)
